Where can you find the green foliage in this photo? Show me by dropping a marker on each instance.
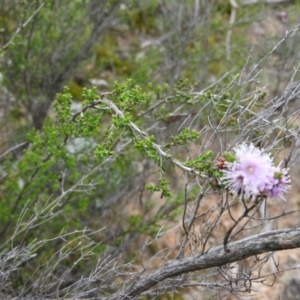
(42, 47)
(102, 151)
(162, 186)
(229, 157)
(89, 96)
(129, 95)
(185, 137)
(202, 162)
(146, 147)
(183, 84)
(134, 220)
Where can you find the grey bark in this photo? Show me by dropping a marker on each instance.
(276, 240)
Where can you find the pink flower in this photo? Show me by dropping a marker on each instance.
(278, 184)
(252, 174)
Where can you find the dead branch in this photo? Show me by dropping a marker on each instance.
(276, 240)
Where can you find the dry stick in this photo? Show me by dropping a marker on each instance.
(245, 213)
(198, 200)
(228, 205)
(287, 35)
(288, 159)
(184, 211)
(208, 235)
(193, 218)
(243, 227)
(283, 214)
(275, 240)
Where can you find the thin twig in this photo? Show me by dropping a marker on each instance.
(21, 27)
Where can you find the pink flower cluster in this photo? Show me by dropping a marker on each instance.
(250, 172)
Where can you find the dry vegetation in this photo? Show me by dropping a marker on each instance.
(78, 218)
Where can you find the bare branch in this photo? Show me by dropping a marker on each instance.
(276, 240)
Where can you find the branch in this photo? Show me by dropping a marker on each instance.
(144, 135)
(275, 240)
(234, 7)
(22, 26)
